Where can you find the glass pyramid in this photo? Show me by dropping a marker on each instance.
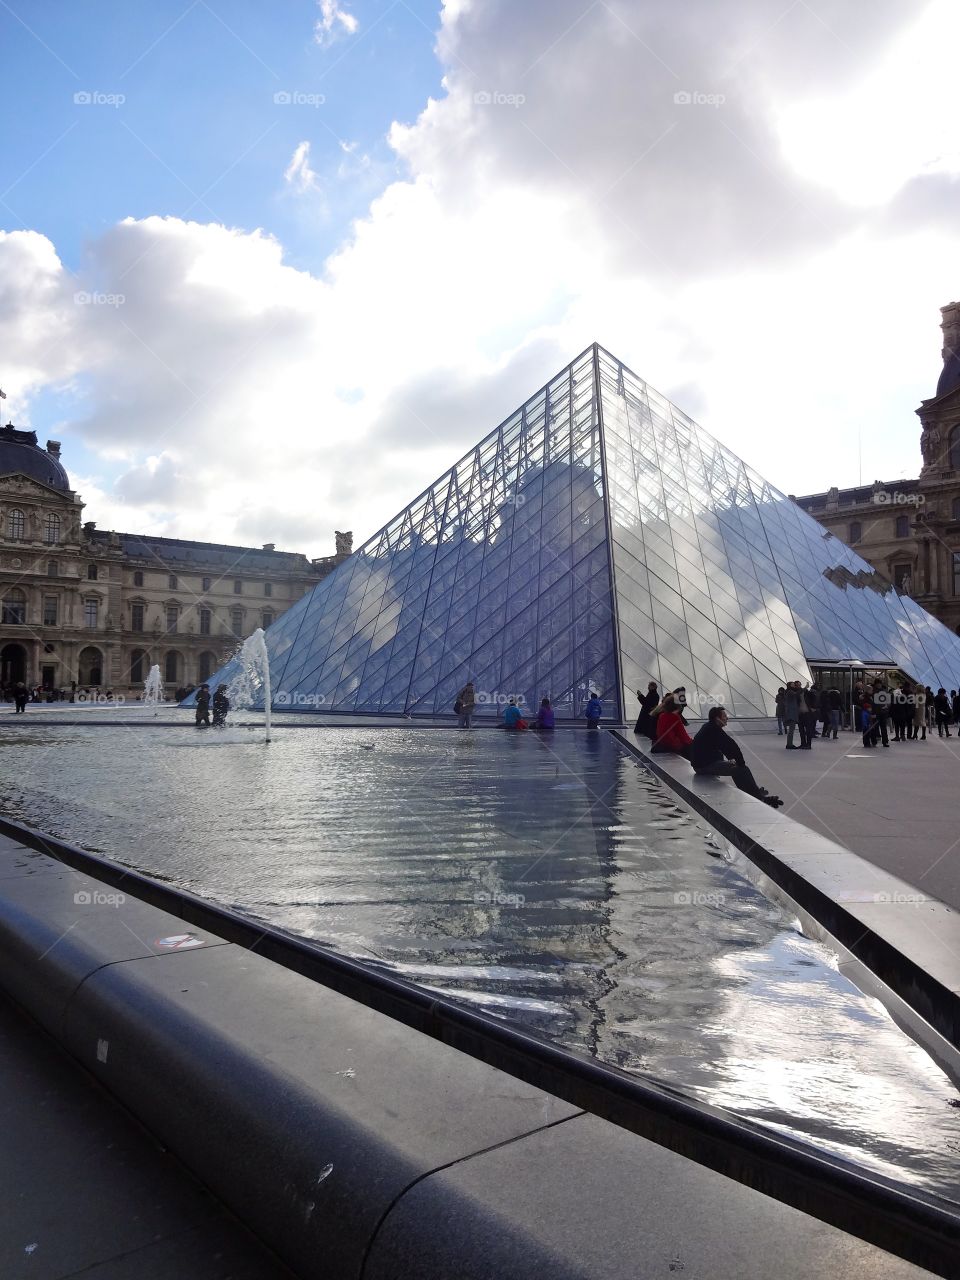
(597, 539)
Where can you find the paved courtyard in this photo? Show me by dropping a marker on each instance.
(898, 808)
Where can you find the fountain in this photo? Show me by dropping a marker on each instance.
(153, 689)
(254, 678)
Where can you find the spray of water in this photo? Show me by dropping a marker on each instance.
(153, 689)
(252, 682)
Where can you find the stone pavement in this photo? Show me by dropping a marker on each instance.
(85, 1191)
(898, 808)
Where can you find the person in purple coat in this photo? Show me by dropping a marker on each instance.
(545, 717)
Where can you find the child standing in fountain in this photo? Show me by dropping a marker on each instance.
(203, 705)
(221, 705)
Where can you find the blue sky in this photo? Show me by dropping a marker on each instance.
(265, 285)
(198, 133)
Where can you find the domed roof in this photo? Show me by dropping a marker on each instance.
(20, 453)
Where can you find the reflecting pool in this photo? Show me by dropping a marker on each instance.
(552, 884)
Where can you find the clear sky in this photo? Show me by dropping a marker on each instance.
(267, 270)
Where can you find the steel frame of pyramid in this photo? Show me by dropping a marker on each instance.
(594, 541)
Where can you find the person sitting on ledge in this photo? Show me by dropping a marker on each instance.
(671, 737)
(513, 717)
(546, 720)
(716, 754)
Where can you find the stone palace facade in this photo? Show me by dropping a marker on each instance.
(910, 529)
(83, 608)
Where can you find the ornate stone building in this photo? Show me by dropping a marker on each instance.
(86, 608)
(910, 529)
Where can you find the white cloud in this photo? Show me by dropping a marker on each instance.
(298, 173)
(333, 21)
(256, 402)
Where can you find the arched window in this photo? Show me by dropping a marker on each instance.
(955, 448)
(903, 527)
(15, 525)
(856, 531)
(14, 606)
(51, 529)
(171, 667)
(138, 660)
(90, 668)
(91, 573)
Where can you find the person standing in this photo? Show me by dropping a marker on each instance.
(955, 706)
(464, 705)
(792, 708)
(941, 705)
(930, 707)
(221, 705)
(648, 701)
(811, 697)
(919, 727)
(20, 696)
(834, 701)
(593, 711)
(901, 712)
(881, 709)
(714, 753)
(203, 705)
(778, 707)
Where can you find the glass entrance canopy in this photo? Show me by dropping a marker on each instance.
(595, 540)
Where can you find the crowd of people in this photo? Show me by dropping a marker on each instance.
(712, 751)
(876, 709)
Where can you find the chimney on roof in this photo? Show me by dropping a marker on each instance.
(53, 448)
(269, 546)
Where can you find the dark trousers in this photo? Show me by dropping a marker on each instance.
(741, 775)
(943, 723)
(805, 725)
(203, 714)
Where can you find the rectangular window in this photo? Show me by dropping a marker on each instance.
(956, 573)
(237, 586)
(267, 619)
(236, 621)
(172, 582)
(173, 613)
(268, 588)
(136, 617)
(49, 611)
(53, 568)
(90, 610)
(204, 622)
(901, 577)
(206, 584)
(138, 577)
